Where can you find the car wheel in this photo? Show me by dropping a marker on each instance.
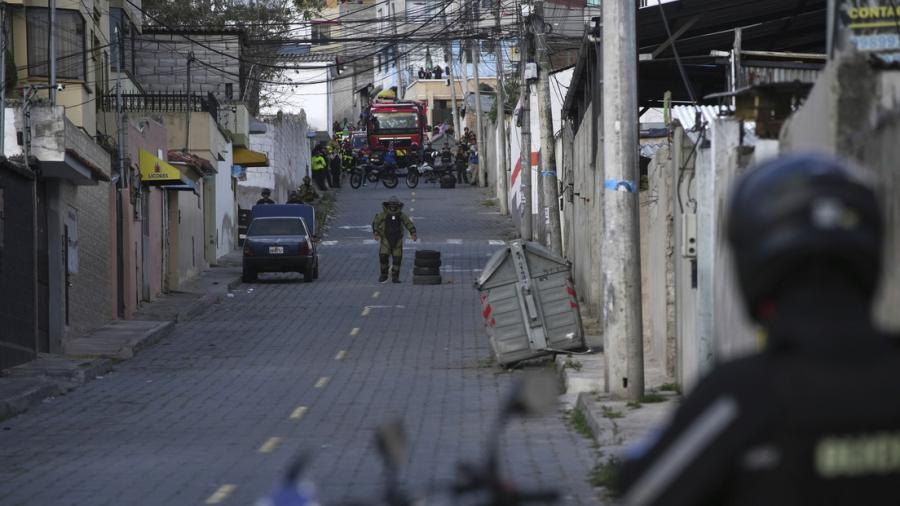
(426, 271)
(316, 270)
(428, 262)
(427, 280)
(309, 273)
(428, 253)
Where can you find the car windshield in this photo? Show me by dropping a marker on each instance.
(276, 226)
(359, 141)
(395, 122)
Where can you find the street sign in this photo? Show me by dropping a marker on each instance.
(870, 26)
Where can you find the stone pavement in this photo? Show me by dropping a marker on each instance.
(92, 355)
(215, 411)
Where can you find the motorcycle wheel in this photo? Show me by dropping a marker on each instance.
(412, 178)
(356, 179)
(390, 180)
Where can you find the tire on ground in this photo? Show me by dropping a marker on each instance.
(427, 280)
(428, 262)
(426, 271)
(428, 253)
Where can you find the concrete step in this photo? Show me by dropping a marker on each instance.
(60, 368)
(19, 394)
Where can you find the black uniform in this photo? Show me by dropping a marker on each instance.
(265, 200)
(335, 179)
(815, 419)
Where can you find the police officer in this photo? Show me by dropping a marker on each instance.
(814, 418)
(306, 191)
(294, 198)
(320, 170)
(266, 199)
(388, 228)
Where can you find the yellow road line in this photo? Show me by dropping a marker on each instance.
(365, 311)
(354, 331)
(340, 355)
(322, 382)
(221, 494)
(298, 413)
(375, 295)
(270, 445)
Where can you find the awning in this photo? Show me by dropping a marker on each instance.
(158, 172)
(186, 186)
(249, 158)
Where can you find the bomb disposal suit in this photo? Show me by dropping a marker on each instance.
(388, 228)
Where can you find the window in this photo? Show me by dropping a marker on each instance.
(70, 44)
(229, 91)
(397, 122)
(276, 226)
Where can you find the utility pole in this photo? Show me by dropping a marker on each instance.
(482, 165)
(448, 57)
(500, 103)
(464, 68)
(525, 150)
(187, 135)
(51, 50)
(622, 329)
(548, 147)
(3, 46)
(123, 178)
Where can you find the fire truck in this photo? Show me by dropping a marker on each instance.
(400, 122)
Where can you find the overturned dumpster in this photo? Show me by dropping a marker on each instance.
(528, 302)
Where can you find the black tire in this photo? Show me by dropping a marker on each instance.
(390, 180)
(428, 262)
(426, 271)
(309, 273)
(427, 280)
(428, 253)
(316, 269)
(248, 276)
(356, 179)
(412, 178)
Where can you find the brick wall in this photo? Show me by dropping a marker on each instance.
(90, 293)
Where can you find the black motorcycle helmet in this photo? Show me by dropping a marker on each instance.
(801, 209)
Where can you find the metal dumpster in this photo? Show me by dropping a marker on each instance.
(529, 304)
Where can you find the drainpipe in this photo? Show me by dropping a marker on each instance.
(51, 62)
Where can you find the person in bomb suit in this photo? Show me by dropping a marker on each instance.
(388, 228)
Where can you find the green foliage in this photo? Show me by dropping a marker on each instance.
(606, 474)
(510, 95)
(670, 387)
(576, 420)
(610, 413)
(653, 397)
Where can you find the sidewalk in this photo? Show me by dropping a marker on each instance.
(93, 355)
(613, 425)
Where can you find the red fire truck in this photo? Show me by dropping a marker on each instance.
(400, 122)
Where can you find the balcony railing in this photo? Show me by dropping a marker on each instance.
(165, 102)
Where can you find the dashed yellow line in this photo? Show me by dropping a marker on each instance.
(270, 445)
(375, 295)
(221, 494)
(298, 413)
(355, 331)
(340, 355)
(365, 311)
(322, 382)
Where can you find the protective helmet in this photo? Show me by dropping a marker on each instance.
(306, 179)
(294, 194)
(266, 192)
(392, 205)
(799, 209)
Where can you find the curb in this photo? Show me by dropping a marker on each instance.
(147, 340)
(30, 395)
(603, 429)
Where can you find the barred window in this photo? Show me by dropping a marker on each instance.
(70, 45)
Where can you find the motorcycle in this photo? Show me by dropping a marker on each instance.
(534, 394)
(373, 171)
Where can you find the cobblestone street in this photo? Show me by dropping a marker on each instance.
(214, 412)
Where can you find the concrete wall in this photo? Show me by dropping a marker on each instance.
(190, 243)
(161, 62)
(854, 111)
(226, 206)
(287, 147)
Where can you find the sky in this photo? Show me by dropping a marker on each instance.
(312, 98)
